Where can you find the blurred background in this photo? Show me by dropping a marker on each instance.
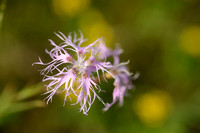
(161, 38)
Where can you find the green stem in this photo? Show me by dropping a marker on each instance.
(2, 9)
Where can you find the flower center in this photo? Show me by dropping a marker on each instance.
(81, 65)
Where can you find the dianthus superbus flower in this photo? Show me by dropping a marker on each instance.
(78, 70)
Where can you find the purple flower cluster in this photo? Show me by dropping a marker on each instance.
(77, 70)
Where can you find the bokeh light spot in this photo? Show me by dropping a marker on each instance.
(190, 40)
(153, 107)
(94, 25)
(69, 7)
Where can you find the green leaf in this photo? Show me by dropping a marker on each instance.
(22, 106)
(29, 91)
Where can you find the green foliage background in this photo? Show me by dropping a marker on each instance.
(161, 38)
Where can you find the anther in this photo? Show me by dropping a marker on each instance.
(69, 58)
(74, 71)
(85, 75)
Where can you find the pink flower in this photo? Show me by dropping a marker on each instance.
(75, 69)
(85, 98)
(122, 84)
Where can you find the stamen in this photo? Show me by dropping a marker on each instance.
(74, 70)
(85, 75)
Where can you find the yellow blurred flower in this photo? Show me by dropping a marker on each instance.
(153, 107)
(190, 40)
(69, 7)
(94, 25)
